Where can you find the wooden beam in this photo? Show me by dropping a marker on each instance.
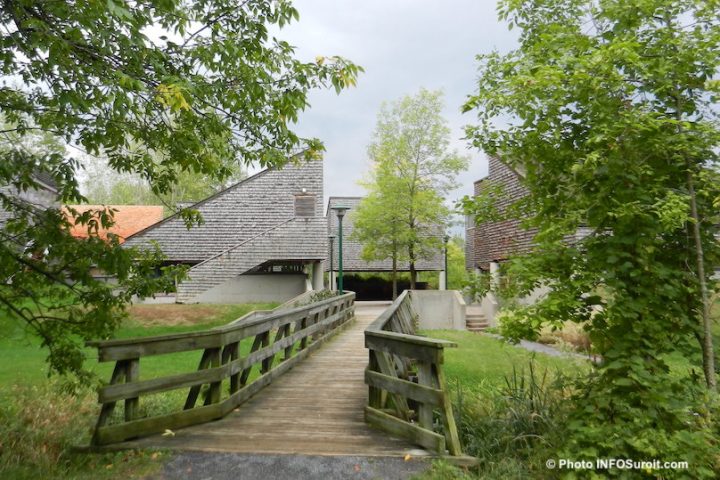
(451, 434)
(419, 393)
(416, 434)
(425, 410)
(213, 393)
(387, 367)
(108, 407)
(132, 374)
(398, 346)
(195, 390)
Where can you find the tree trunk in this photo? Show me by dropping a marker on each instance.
(413, 273)
(394, 277)
(707, 340)
(708, 350)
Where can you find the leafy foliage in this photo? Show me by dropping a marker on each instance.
(162, 90)
(457, 275)
(103, 186)
(613, 122)
(404, 217)
(477, 285)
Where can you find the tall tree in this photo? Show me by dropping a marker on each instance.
(192, 83)
(414, 166)
(609, 110)
(379, 224)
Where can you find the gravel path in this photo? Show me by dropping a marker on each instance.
(245, 466)
(546, 349)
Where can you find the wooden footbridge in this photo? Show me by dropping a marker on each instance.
(374, 388)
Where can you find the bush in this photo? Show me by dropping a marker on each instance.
(682, 427)
(516, 326)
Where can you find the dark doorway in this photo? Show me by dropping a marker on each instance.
(376, 288)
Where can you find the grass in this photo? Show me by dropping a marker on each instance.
(506, 401)
(23, 359)
(507, 415)
(40, 425)
(481, 362)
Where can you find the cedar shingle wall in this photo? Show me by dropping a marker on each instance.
(297, 239)
(496, 241)
(42, 197)
(239, 213)
(352, 249)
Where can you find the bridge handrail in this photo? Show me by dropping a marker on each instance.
(406, 381)
(298, 331)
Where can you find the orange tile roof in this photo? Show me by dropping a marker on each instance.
(129, 219)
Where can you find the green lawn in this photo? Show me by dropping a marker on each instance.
(481, 362)
(40, 425)
(23, 359)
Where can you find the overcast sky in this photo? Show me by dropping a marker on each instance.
(403, 45)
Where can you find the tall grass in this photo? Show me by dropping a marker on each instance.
(40, 428)
(510, 428)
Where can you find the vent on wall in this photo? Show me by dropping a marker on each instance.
(305, 205)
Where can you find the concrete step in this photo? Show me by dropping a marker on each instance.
(476, 329)
(476, 323)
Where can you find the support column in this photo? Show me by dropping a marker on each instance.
(442, 280)
(317, 276)
(307, 270)
(494, 303)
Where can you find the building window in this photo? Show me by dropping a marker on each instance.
(305, 205)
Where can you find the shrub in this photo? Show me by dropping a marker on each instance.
(515, 326)
(681, 426)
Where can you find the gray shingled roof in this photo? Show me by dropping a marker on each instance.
(239, 213)
(47, 180)
(352, 261)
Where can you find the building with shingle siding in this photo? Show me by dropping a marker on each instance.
(352, 249)
(489, 244)
(43, 197)
(262, 239)
(493, 242)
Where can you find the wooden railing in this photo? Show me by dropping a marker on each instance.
(294, 333)
(407, 389)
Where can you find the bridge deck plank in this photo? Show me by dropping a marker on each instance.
(317, 408)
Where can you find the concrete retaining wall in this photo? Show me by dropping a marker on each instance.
(490, 305)
(439, 309)
(255, 288)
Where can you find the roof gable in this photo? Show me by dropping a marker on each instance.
(237, 213)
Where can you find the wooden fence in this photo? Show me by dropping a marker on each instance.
(407, 390)
(293, 332)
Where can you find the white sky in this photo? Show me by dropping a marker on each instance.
(403, 45)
